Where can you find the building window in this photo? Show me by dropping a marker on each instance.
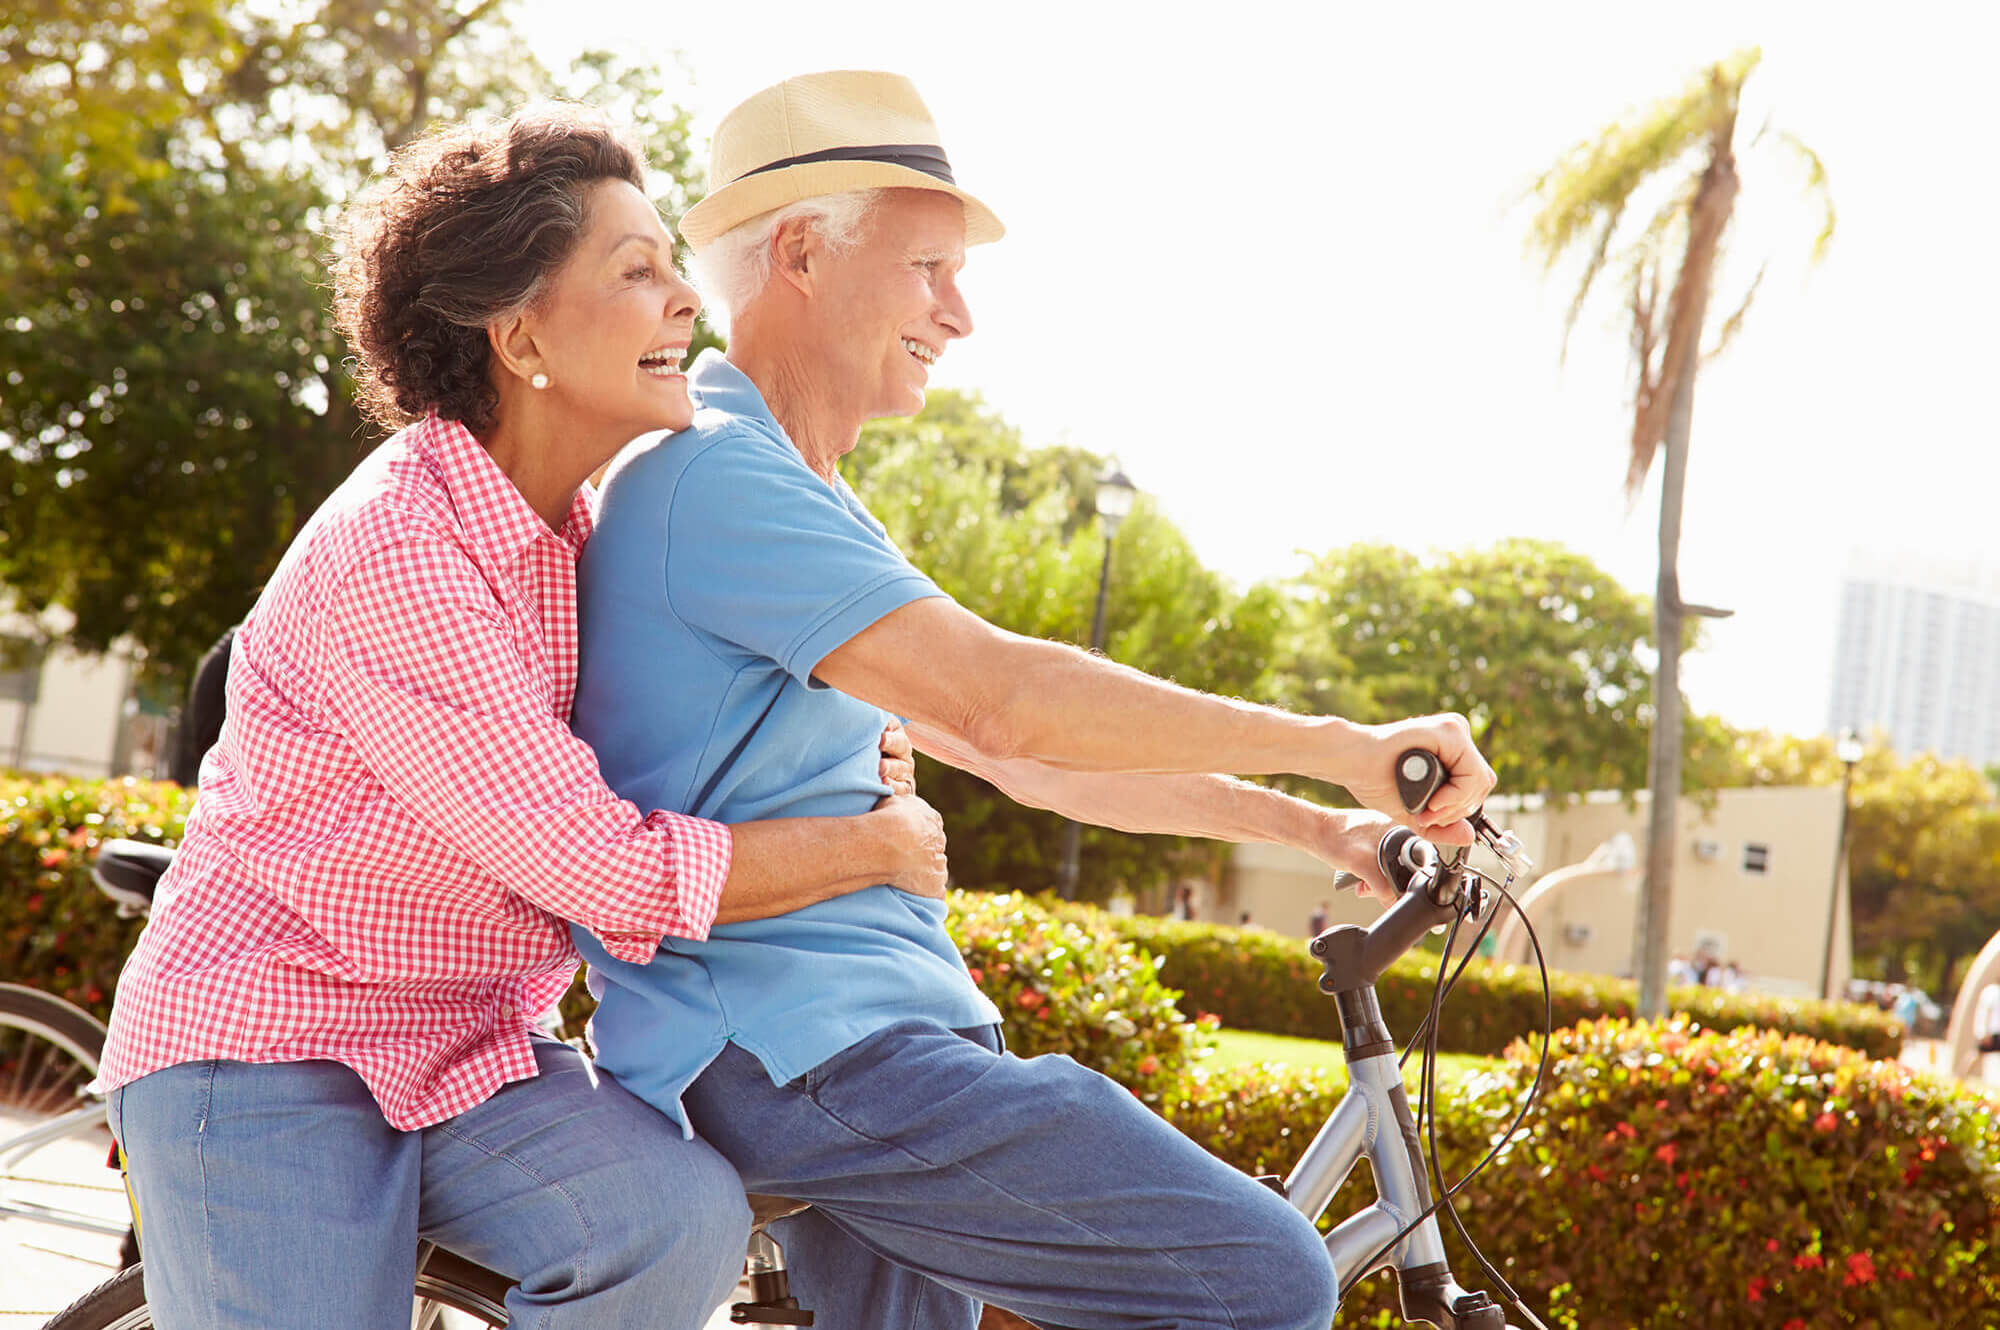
(1756, 858)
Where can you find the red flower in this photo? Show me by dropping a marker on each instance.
(1770, 1244)
(1028, 998)
(1148, 1065)
(978, 975)
(1627, 1130)
(1757, 1287)
(1665, 1154)
(1807, 1260)
(1794, 1324)
(1825, 1122)
(1860, 1269)
(1597, 1174)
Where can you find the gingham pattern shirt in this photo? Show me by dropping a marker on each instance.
(396, 819)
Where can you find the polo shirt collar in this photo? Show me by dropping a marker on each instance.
(496, 517)
(718, 384)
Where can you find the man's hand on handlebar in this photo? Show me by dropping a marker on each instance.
(1347, 842)
(1444, 820)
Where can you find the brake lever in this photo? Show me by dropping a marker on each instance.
(1504, 844)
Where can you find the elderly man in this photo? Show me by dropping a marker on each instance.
(840, 1054)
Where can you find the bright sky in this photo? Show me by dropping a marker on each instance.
(1269, 255)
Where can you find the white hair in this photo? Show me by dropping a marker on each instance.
(733, 268)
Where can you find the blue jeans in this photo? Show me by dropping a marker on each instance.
(275, 1194)
(945, 1173)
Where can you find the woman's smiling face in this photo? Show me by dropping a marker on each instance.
(614, 324)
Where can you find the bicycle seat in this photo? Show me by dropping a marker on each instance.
(128, 870)
(764, 1209)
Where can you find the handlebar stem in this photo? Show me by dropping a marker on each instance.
(1353, 957)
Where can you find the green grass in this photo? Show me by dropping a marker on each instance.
(1237, 1046)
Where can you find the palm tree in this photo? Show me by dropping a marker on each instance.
(1678, 157)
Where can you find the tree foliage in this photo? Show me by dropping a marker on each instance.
(172, 398)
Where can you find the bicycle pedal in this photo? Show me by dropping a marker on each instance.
(785, 1311)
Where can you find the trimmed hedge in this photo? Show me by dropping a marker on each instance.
(57, 932)
(1675, 1176)
(1256, 980)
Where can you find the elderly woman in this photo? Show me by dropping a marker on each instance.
(747, 626)
(325, 1045)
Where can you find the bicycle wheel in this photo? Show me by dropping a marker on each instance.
(53, 1138)
(450, 1294)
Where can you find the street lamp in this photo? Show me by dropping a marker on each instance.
(1115, 493)
(1849, 750)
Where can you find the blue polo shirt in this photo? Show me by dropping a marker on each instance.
(721, 572)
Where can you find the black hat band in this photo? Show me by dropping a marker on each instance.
(925, 157)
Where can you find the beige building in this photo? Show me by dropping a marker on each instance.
(1754, 877)
(76, 714)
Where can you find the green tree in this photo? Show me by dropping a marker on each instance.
(1677, 158)
(1535, 644)
(172, 398)
(1011, 534)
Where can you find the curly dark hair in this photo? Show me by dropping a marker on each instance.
(464, 227)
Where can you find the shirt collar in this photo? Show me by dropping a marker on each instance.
(497, 518)
(718, 384)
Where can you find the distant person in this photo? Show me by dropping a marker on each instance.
(1316, 922)
(1681, 971)
(201, 717)
(1184, 903)
(1243, 920)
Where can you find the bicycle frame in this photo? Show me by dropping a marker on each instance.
(1374, 1118)
(18, 1147)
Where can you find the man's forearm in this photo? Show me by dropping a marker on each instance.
(786, 864)
(1066, 708)
(1205, 804)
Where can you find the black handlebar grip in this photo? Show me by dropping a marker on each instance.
(1403, 856)
(1419, 773)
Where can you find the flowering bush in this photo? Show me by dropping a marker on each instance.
(1680, 1176)
(1065, 985)
(57, 933)
(1676, 1176)
(1254, 980)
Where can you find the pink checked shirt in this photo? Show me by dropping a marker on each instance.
(397, 819)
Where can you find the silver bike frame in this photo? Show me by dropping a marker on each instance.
(1374, 1118)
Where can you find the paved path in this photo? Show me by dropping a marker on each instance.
(43, 1269)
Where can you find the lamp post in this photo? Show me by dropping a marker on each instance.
(1849, 750)
(1115, 492)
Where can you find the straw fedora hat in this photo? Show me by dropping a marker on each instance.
(825, 134)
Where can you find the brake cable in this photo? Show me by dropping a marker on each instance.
(1427, 1032)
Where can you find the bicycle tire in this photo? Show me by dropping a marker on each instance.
(62, 1023)
(445, 1284)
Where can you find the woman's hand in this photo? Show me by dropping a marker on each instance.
(916, 835)
(1347, 840)
(1468, 782)
(899, 766)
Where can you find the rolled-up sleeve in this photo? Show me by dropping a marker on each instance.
(427, 680)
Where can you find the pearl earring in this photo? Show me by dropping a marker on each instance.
(539, 381)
